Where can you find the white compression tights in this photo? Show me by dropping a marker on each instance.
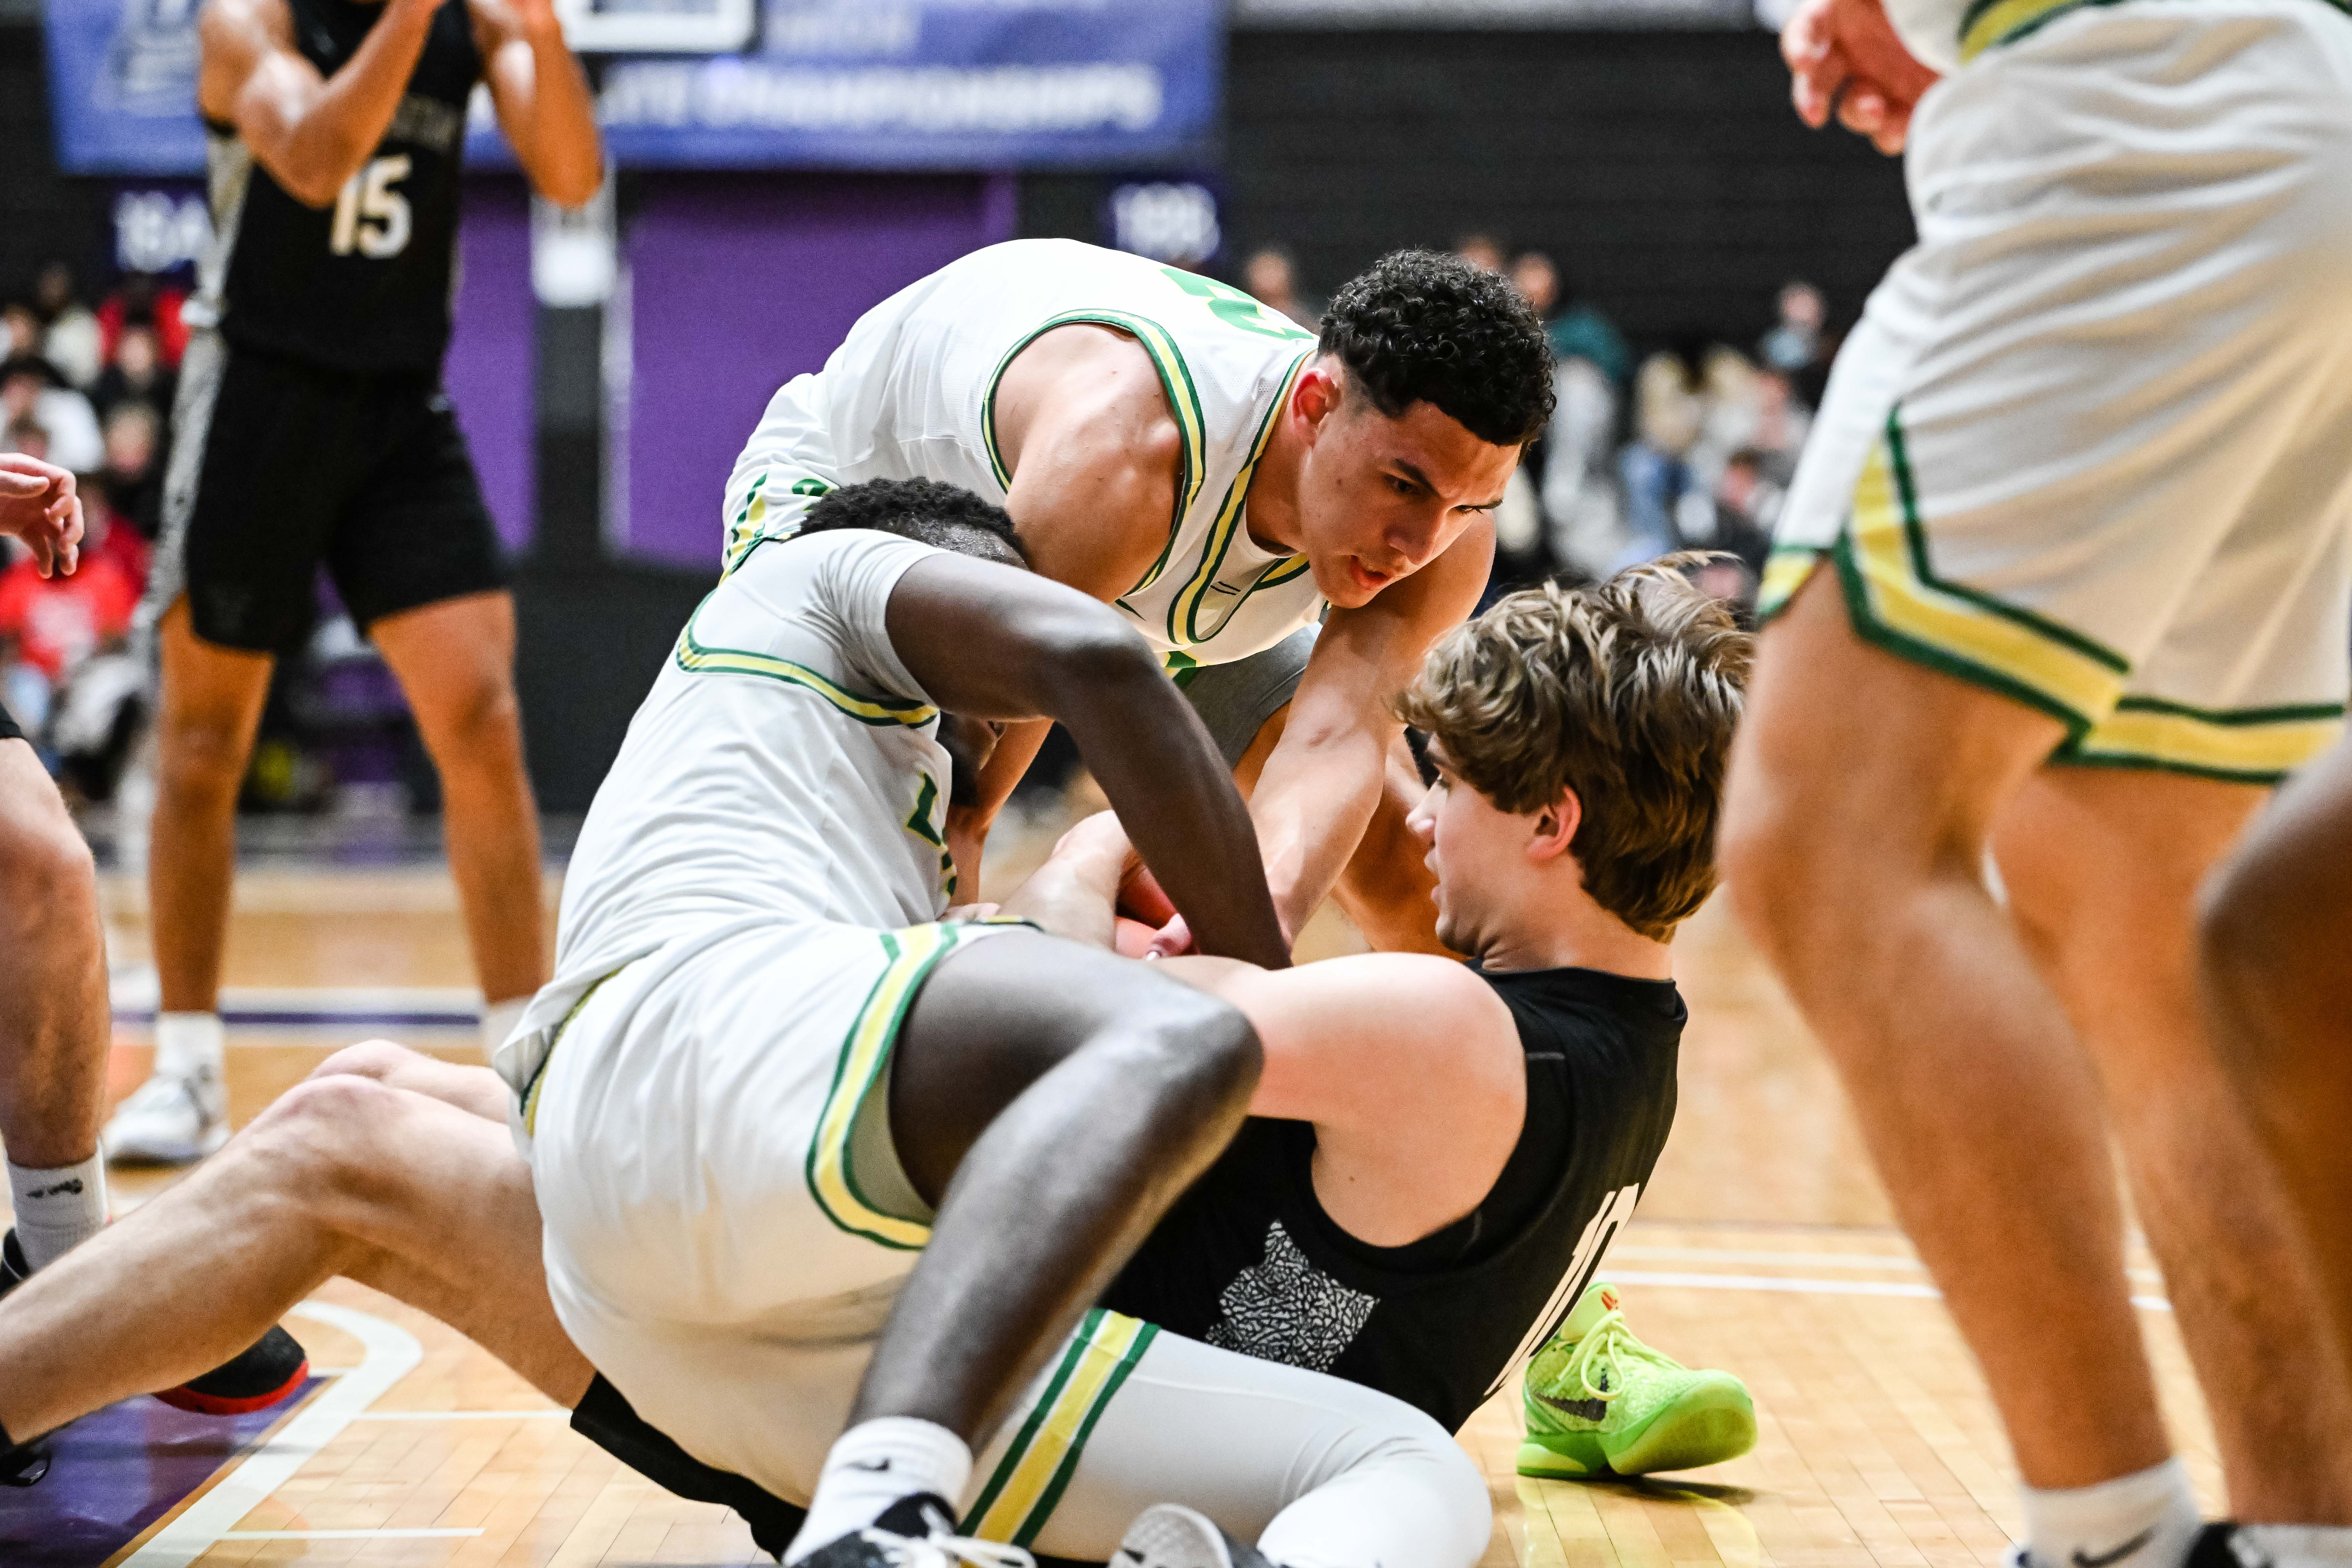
(1320, 1473)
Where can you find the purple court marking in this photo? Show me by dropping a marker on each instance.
(289, 1018)
(119, 1470)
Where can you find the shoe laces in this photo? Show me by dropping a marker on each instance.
(1609, 1348)
(937, 1550)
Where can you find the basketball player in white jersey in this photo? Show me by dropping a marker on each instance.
(764, 1064)
(1222, 477)
(2063, 575)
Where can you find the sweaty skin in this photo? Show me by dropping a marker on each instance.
(1390, 512)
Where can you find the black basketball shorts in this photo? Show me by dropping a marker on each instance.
(279, 468)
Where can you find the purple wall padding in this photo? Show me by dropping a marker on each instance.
(737, 283)
(488, 373)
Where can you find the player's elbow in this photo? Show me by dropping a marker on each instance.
(573, 183)
(1092, 659)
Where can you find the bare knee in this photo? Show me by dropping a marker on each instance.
(49, 883)
(312, 1142)
(201, 758)
(476, 727)
(379, 1060)
(1187, 1049)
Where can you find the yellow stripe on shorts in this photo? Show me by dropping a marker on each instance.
(2252, 745)
(863, 1057)
(1897, 601)
(1037, 1469)
(695, 657)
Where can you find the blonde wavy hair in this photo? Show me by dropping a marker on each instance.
(1627, 693)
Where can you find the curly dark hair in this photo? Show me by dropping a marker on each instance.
(1419, 326)
(927, 511)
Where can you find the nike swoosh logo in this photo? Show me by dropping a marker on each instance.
(883, 1467)
(2083, 1560)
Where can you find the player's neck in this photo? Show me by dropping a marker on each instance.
(1572, 931)
(1270, 509)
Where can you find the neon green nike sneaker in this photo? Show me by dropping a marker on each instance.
(1599, 1402)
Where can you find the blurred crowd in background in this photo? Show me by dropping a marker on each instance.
(1691, 447)
(87, 386)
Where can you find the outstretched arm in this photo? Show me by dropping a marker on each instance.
(312, 133)
(1324, 776)
(542, 97)
(992, 643)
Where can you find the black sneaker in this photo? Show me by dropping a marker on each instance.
(22, 1464)
(266, 1372)
(2221, 1545)
(916, 1532)
(1171, 1536)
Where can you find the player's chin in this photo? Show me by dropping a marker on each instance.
(1343, 583)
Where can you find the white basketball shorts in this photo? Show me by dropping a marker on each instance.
(2090, 446)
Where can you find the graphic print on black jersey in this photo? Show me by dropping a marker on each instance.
(1287, 1310)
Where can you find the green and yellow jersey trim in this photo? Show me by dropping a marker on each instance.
(1184, 609)
(698, 657)
(2236, 745)
(1029, 1481)
(1988, 23)
(744, 533)
(1175, 381)
(865, 1053)
(539, 1079)
(1895, 600)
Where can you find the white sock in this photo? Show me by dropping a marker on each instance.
(2143, 1520)
(189, 1045)
(872, 1465)
(58, 1210)
(498, 1021)
(2297, 1545)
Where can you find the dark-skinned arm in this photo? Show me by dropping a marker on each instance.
(991, 642)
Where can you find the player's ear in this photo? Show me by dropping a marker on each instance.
(1555, 828)
(1322, 388)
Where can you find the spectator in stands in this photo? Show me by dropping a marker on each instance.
(1798, 345)
(1583, 329)
(30, 387)
(1271, 277)
(69, 336)
(1481, 250)
(141, 299)
(1782, 424)
(136, 373)
(20, 329)
(132, 478)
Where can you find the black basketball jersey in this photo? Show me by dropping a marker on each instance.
(1248, 1260)
(365, 284)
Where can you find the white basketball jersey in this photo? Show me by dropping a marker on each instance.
(912, 394)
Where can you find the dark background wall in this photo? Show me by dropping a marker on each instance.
(43, 214)
(1665, 172)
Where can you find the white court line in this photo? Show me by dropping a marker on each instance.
(391, 1353)
(1788, 1287)
(463, 1415)
(1809, 1259)
(346, 1535)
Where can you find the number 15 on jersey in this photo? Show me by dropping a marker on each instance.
(371, 217)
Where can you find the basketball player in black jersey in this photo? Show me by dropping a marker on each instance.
(313, 432)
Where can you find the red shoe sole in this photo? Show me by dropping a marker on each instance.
(184, 1398)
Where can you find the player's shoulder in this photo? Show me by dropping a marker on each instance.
(1429, 996)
